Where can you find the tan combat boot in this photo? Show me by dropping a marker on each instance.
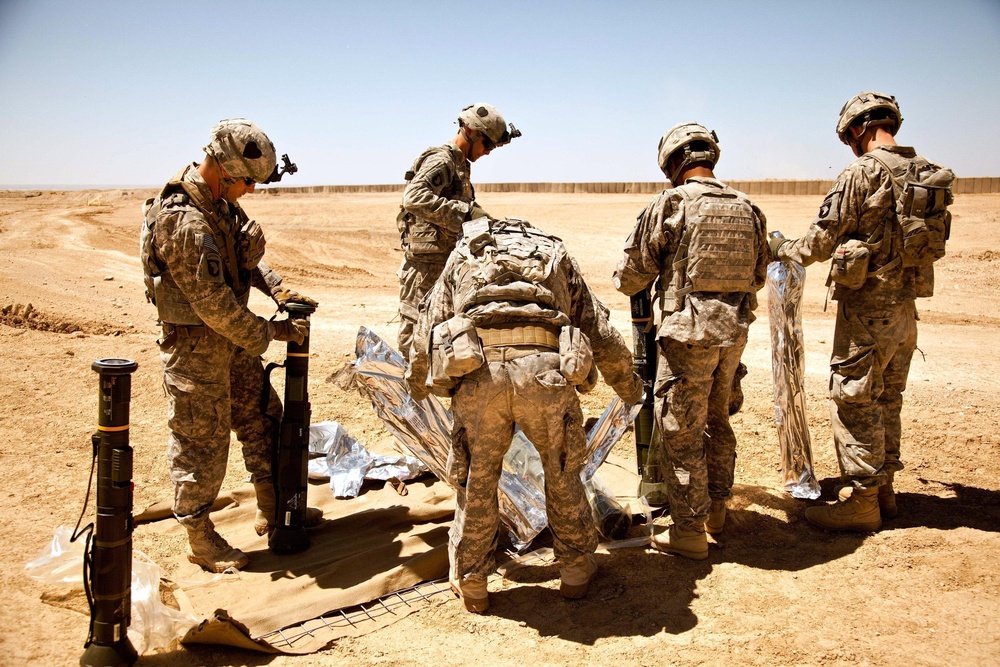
(859, 512)
(688, 542)
(263, 522)
(211, 551)
(887, 499)
(473, 593)
(576, 576)
(716, 517)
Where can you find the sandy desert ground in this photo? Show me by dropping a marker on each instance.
(923, 591)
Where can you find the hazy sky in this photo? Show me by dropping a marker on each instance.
(124, 93)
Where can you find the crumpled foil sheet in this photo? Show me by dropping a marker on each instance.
(785, 284)
(424, 427)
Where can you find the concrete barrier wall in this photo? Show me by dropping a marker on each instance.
(980, 185)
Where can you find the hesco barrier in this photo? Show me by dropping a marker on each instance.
(981, 185)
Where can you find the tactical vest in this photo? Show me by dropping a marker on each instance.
(509, 261)
(421, 240)
(172, 306)
(718, 247)
(922, 193)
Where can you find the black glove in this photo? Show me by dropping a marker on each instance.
(289, 330)
(284, 296)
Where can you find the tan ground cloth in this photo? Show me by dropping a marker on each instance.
(367, 547)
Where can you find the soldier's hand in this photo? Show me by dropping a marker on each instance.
(477, 211)
(632, 393)
(284, 296)
(289, 330)
(418, 390)
(774, 241)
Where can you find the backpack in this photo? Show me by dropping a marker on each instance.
(922, 191)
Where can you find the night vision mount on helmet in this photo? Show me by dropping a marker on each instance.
(486, 119)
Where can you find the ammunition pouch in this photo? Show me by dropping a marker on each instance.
(849, 265)
(455, 351)
(576, 359)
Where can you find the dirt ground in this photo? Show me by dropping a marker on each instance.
(923, 591)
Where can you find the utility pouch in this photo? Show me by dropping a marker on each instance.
(575, 356)
(456, 349)
(849, 264)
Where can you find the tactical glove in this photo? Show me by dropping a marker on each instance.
(774, 241)
(289, 330)
(251, 246)
(477, 211)
(284, 296)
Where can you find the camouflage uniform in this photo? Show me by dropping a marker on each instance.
(213, 372)
(700, 344)
(876, 330)
(437, 200)
(525, 300)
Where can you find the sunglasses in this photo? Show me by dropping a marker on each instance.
(488, 144)
(248, 181)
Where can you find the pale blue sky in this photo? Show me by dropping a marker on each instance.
(124, 93)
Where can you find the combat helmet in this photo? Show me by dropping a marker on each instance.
(242, 149)
(873, 109)
(680, 137)
(486, 119)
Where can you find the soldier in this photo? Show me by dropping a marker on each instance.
(200, 256)
(438, 198)
(877, 274)
(512, 330)
(706, 245)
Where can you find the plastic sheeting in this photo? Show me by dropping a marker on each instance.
(424, 427)
(153, 624)
(348, 463)
(785, 283)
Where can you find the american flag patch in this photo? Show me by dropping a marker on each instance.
(208, 243)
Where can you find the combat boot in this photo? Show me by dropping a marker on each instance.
(887, 499)
(576, 576)
(473, 593)
(859, 512)
(263, 523)
(688, 542)
(211, 551)
(716, 517)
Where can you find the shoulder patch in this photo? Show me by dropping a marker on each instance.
(830, 208)
(210, 262)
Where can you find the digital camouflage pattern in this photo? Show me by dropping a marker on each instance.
(518, 385)
(701, 338)
(213, 377)
(528, 391)
(710, 318)
(436, 201)
(691, 404)
(876, 330)
(858, 206)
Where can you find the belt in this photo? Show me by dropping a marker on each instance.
(512, 353)
(184, 330)
(540, 335)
